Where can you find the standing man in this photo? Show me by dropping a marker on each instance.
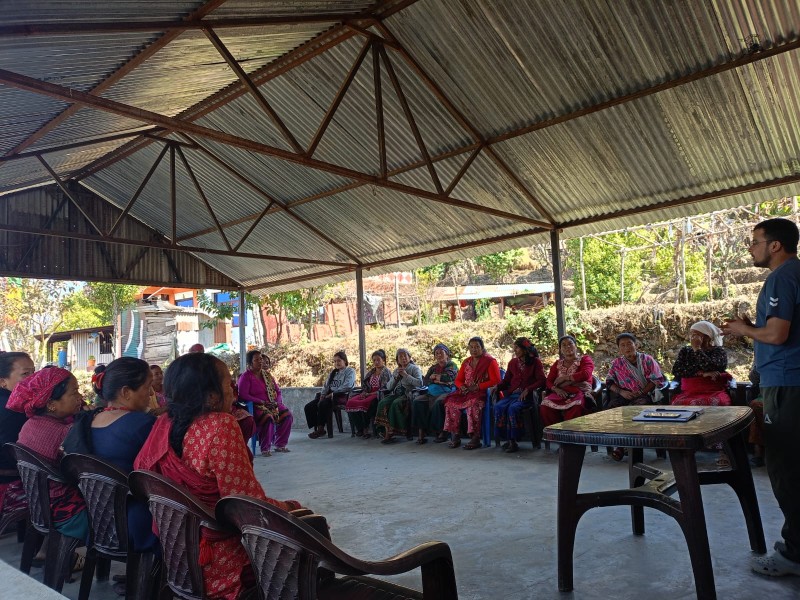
(776, 338)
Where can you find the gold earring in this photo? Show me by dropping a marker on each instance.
(51, 408)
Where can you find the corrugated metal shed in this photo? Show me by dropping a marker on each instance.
(326, 135)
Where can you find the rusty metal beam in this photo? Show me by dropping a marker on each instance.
(423, 150)
(460, 118)
(338, 99)
(254, 91)
(173, 194)
(88, 27)
(47, 225)
(255, 223)
(376, 78)
(69, 195)
(139, 190)
(741, 189)
(57, 91)
(93, 142)
(70, 235)
(282, 206)
(462, 170)
(116, 76)
(135, 261)
(203, 197)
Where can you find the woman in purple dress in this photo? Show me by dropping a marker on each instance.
(273, 419)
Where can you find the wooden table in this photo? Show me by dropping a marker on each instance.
(653, 487)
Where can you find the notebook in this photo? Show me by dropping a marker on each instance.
(668, 416)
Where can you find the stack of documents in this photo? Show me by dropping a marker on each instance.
(672, 414)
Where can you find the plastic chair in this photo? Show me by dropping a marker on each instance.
(36, 473)
(105, 490)
(593, 402)
(178, 516)
(336, 411)
(292, 559)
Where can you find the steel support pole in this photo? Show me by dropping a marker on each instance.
(555, 249)
(243, 353)
(362, 336)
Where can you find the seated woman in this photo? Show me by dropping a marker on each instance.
(633, 376)
(700, 368)
(392, 415)
(568, 382)
(339, 383)
(477, 374)
(198, 445)
(427, 412)
(14, 367)
(158, 400)
(524, 376)
(273, 420)
(361, 408)
(117, 432)
(50, 399)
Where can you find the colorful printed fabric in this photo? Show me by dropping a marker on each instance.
(485, 373)
(690, 362)
(215, 463)
(580, 372)
(634, 378)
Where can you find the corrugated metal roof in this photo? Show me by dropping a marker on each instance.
(504, 66)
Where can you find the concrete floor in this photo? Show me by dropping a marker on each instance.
(497, 512)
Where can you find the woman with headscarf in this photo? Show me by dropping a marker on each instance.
(524, 376)
(272, 418)
(197, 444)
(340, 381)
(440, 381)
(568, 382)
(395, 407)
(477, 374)
(362, 407)
(14, 367)
(700, 368)
(50, 399)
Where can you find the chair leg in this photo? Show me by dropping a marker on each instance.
(22, 526)
(32, 543)
(338, 413)
(329, 424)
(142, 576)
(103, 568)
(88, 574)
(59, 559)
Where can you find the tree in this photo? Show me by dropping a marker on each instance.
(110, 299)
(602, 260)
(226, 310)
(31, 311)
(80, 312)
(499, 264)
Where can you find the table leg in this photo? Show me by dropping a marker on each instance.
(693, 521)
(742, 483)
(636, 455)
(570, 462)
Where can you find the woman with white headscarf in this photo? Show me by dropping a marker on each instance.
(700, 368)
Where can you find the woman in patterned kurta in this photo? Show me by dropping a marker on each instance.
(199, 445)
(394, 409)
(361, 408)
(477, 374)
(700, 368)
(634, 376)
(568, 382)
(427, 412)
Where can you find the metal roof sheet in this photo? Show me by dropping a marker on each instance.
(531, 79)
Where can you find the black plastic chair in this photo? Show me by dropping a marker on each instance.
(36, 473)
(288, 553)
(178, 516)
(105, 490)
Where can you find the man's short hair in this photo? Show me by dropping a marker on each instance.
(780, 230)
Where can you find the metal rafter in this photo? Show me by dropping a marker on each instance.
(338, 99)
(93, 142)
(254, 91)
(81, 27)
(460, 118)
(173, 195)
(70, 95)
(376, 78)
(282, 206)
(462, 170)
(203, 197)
(70, 235)
(116, 76)
(67, 193)
(47, 226)
(139, 190)
(410, 118)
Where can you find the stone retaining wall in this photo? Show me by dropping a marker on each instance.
(295, 398)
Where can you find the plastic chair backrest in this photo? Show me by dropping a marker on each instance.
(105, 490)
(36, 472)
(178, 516)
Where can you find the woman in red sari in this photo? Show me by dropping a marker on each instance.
(568, 382)
(477, 374)
(199, 445)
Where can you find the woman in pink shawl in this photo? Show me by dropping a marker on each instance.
(700, 368)
(273, 420)
(199, 446)
(477, 374)
(568, 382)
